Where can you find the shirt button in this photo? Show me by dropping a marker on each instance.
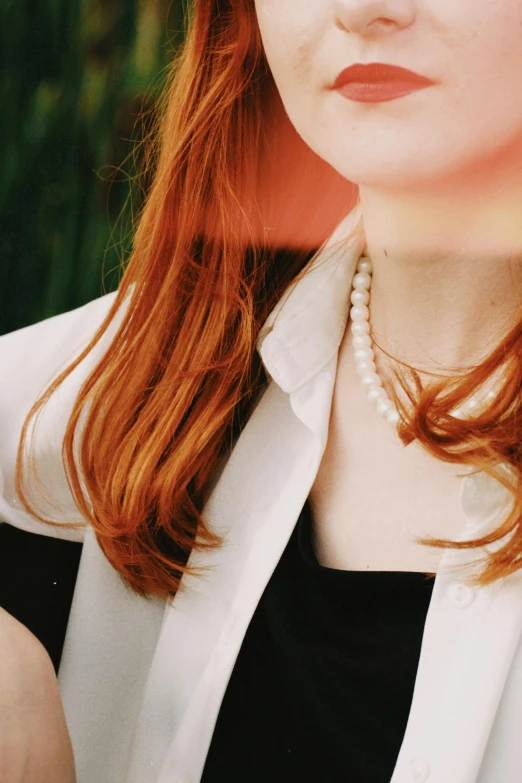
(474, 527)
(419, 770)
(461, 595)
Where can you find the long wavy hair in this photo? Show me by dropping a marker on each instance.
(230, 221)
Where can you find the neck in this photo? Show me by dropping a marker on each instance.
(447, 275)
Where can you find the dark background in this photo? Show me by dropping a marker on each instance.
(74, 76)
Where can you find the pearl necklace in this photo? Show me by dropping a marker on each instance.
(365, 357)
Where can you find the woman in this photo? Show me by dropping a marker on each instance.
(253, 463)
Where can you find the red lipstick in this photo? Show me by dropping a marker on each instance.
(376, 82)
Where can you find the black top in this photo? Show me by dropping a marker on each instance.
(322, 687)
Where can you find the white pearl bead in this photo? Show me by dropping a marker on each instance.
(360, 327)
(365, 368)
(362, 354)
(361, 341)
(376, 393)
(371, 380)
(393, 416)
(364, 265)
(359, 313)
(362, 280)
(360, 296)
(384, 407)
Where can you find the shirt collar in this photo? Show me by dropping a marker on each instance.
(305, 328)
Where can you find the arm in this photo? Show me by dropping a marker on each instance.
(34, 741)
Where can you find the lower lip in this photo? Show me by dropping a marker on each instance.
(378, 91)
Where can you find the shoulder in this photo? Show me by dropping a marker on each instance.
(30, 359)
(34, 741)
(33, 346)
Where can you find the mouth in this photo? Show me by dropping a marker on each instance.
(377, 82)
(379, 73)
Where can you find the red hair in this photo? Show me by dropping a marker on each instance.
(232, 184)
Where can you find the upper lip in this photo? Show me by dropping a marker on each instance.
(378, 72)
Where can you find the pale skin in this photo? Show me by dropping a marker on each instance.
(440, 179)
(34, 741)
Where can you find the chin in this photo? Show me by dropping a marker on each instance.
(390, 173)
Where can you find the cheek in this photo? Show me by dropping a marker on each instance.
(289, 34)
(485, 81)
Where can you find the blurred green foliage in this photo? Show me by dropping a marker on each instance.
(74, 76)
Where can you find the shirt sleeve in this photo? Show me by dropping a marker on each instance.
(29, 359)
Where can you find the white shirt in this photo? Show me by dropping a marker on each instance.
(142, 682)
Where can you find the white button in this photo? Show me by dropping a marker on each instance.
(481, 496)
(461, 595)
(475, 528)
(419, 770)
